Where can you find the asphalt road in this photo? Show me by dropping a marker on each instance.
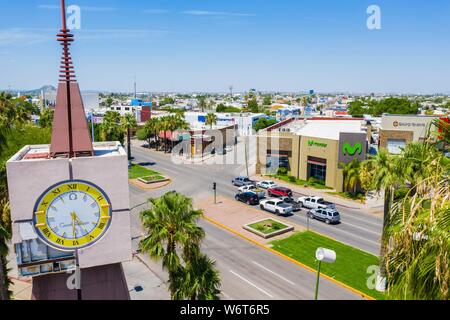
(357, 229)
(247, 271)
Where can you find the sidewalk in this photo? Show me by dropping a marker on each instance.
(374, 205)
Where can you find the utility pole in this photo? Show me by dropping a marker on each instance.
(215, 192)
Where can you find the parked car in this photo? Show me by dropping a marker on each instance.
(292, 202)
(267, 184)
(242, 181)
(249, 198)
(276, 206)
(279, 192)
(315, 203)
(329, 215)
(251, 188)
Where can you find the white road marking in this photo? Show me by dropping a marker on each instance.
(358, 227)
(251, 283)
(275, 274)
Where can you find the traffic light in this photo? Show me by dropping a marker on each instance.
(214, 186)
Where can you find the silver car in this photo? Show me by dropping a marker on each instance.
(328, 215)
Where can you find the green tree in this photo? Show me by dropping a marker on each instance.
(46, 118)
(385, 179)
(198, 280)
(211, 119)
(267, 100)
(111, 127)
(128, 122)
(253, 105)
(418, 261)
(202, 103)
(171, 224)
(351, 172)
(5, 237)
(264, 123)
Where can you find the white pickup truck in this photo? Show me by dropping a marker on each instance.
(251, 188)
(315, 203)
(276, 206)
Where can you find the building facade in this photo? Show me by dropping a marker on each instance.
(313, 149)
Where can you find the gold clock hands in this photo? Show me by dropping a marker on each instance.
(80, 223)
(74, 230)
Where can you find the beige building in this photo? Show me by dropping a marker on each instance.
(398, 130)
(312, 149)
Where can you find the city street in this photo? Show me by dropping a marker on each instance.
(247, 271)
(357, 229)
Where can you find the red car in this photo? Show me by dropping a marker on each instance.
(279, 192)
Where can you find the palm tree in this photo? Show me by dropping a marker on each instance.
(170, 223)
(419, 259)
(129, 122)
(351, 175)
(211, 119)
(110, 127)
(386, 177)
(198, 280)
(5, 236)
(202, 103)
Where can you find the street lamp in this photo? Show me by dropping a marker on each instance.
(323, 255)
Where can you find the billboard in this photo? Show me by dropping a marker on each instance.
(352, 146)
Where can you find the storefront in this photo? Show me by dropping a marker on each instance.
(315, 157)
(398, 130)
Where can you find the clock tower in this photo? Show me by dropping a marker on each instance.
(70, 203)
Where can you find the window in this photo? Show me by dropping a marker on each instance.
(317, 171)
(395, 146)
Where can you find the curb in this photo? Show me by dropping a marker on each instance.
(156, 188)
(342, 285)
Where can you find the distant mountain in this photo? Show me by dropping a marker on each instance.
(34, 92)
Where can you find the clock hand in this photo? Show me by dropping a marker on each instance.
(74, 230)
(80, 223)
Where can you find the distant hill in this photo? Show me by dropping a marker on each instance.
(34, 92)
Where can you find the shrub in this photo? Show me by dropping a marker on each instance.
(282, 171)
(292, 179)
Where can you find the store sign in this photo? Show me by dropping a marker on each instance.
(313, 143)
(352, 146)
(399, 124)
(351, 150)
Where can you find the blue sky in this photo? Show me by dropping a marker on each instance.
(207, 45)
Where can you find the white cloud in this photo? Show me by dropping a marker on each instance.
(83, 8)
(217, 13)
(23, 36)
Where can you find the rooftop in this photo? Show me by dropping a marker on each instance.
(323, 129)
(41, 152)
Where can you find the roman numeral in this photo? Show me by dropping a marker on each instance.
(101, 225)
(72, 186)
(56, 191)
(75, 243)
(60, 241)
(46, 232)
(100, 198)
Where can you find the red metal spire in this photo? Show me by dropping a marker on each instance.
(70, 135)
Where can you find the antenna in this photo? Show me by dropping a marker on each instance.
(135, 92)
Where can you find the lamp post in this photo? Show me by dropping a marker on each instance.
(323, 255)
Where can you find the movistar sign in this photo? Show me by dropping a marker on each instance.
(348, 149)
(313, 143)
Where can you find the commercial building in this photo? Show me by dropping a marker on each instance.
(244, 122)
(312, 148)
(398, 130)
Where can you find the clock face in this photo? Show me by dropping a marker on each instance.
(72, 215)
